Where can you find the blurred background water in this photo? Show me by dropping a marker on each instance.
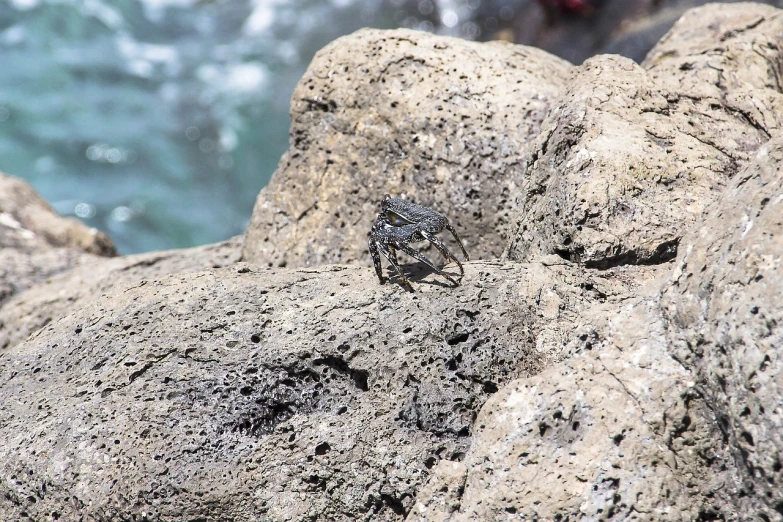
(158, 121)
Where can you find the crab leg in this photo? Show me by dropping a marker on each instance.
(418, 255)
(392, 257)
(392, 253)
(454, 233)
(376, 259)
(443, 250)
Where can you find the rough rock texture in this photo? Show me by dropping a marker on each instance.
(609, 435)
(725, 306)
(631, 155)
(35, 242)
(673, 414)
(91, 277)
(441, 121)
(254, 394)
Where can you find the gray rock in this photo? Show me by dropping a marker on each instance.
(631, 156)
(259, 394)
(90, 277)
(615, 433)
(35, 242)
(725, 315)
(580, 439)
(673, 414)
(441, 121)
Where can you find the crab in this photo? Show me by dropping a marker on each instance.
(400, 223)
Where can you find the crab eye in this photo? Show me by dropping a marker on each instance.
(396, 219)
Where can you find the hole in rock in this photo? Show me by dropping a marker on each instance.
(457, 338)
(490, 387)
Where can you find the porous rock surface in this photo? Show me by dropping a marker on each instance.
(607, 435)
(674, 413)
(440, 121)
(90, 277)
(35, 242)
(631, 155)
(258, 394)
(725, 310)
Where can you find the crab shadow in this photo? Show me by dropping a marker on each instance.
(416, 272)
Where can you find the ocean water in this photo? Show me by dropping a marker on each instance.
(158, 121)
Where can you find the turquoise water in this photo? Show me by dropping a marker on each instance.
(158, 121)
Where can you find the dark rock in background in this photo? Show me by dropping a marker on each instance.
(626, 27)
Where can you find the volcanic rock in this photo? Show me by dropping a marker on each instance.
(440, 121)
